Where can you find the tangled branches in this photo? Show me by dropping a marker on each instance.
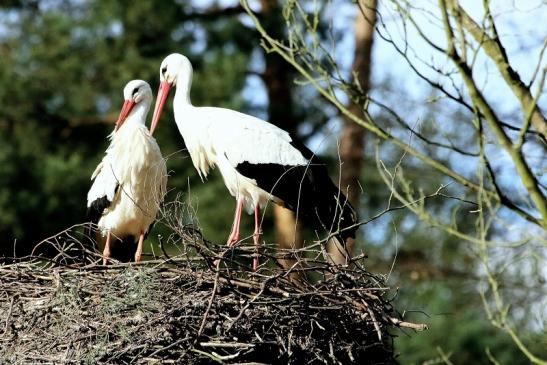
(69, 308)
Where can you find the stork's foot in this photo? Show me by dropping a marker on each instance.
(233, 239)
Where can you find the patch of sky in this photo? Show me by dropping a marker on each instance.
(103, 104)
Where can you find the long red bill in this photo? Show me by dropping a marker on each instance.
(126, 109)
(163, 92)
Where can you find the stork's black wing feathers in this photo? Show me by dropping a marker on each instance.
(95, 211)
(97, 207)
(307, 190)
(304, 150)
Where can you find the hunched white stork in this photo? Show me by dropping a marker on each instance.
(130, 182)
(258, 161)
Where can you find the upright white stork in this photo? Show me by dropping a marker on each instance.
(130, 182)
(258, 161)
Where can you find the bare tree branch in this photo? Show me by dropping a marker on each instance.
(527, 177)
(495, 50)
(273, 45)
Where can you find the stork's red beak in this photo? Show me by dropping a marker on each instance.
(126, 109)
(163, 92)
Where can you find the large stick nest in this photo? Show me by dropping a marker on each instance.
(70, 309)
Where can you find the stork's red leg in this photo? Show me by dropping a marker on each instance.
(234, 234)
(138, 254)
(106, 250)
(257, 236)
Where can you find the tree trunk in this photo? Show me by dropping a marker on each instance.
(352, 140)
(288, 236)
(278, 80)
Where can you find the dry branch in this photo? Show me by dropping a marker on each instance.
(70, 309)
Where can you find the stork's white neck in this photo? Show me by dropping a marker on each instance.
(184, 83)
(138, 114)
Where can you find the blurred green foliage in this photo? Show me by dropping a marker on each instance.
(64, 65)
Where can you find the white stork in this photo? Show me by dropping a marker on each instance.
(130, 182)
(258, 161)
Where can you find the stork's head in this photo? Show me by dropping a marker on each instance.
(174, 66)
(135, 92)
(175, 69)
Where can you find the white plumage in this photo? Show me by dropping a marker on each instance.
(226, 138)
(258, 161)
(130, 182)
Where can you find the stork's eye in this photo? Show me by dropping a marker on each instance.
(164, 70)
(135, 90)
